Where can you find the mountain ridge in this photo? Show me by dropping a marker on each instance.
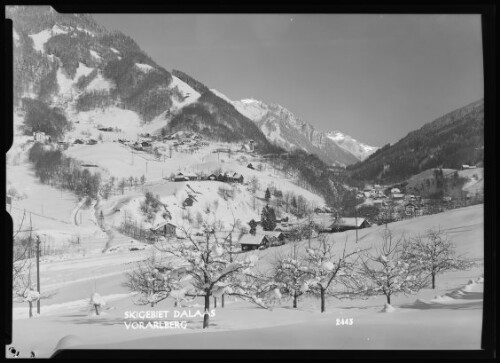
(449, 141)
(289, 131)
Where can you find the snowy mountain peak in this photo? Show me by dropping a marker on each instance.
(284, 128)
(336, 135)
(355, 147)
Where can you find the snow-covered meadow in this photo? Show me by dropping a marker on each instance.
(448, 317)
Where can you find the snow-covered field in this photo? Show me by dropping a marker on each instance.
(448, 317)
(57, 216)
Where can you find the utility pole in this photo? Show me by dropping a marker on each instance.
(38, 273)
(356, 221)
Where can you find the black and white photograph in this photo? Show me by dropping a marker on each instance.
(279, 181)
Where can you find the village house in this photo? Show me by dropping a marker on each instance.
(322, 222)
(395, 191)
(165, 229)
(411, 209)
(236, 178)
(41, 137)
(268, 239)
(185, 177)
(398, 196)
(348, 223)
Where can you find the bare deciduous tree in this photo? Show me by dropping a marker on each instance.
(387, 271)
(209, 267)
(434, 254)
(330, 273)
(289, 272)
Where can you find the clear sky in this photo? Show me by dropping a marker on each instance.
(374, 77)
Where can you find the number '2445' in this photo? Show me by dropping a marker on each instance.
(346, 321)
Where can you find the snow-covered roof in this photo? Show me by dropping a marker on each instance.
(272, 233)
(189, 175)
(323, 220)
(350, 221)
(161, 225)
(249, 239)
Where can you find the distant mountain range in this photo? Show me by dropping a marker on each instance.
(70, 62)
(285, 129)
(450, 141)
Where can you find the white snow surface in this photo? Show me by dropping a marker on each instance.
(144, 67)
(39, 39)
(448, 317)
(99, 83)
(253, 109)
(189, 94)
(82, 70)
(94, 54)
(15, 36)
(85, 31)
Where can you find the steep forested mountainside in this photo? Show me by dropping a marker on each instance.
(66, 65)
(450, 141)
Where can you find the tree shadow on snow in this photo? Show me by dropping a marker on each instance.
(427, 305)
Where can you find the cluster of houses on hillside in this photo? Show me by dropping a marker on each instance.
(393, 204)
(284, 231)
(226, 177)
